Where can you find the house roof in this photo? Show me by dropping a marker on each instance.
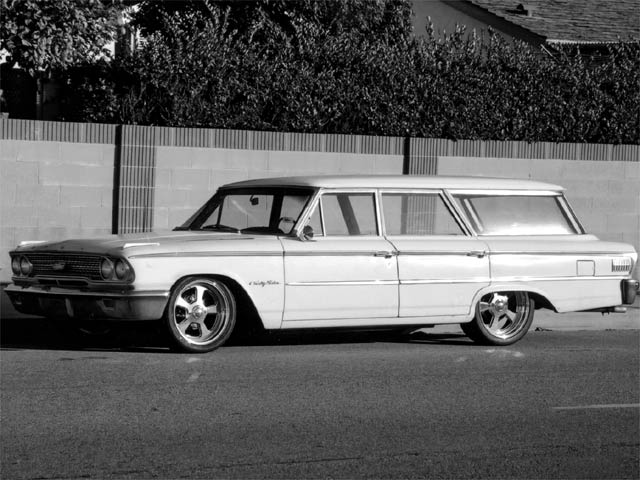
(571, 21)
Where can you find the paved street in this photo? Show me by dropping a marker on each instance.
(555, 405)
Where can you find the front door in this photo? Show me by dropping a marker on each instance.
(348, 270)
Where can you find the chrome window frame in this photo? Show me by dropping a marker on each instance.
(316, 201)
(460, 220)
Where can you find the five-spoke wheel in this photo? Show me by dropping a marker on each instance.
(502, 318)
(201, 314)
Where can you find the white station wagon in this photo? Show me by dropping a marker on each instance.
(389, 252)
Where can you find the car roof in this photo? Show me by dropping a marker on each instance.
(398, 181)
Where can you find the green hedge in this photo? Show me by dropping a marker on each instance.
(312, 78)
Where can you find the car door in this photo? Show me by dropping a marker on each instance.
(347, 270)
(440, 266)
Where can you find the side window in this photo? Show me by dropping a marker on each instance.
(348, 214)
(418, 214)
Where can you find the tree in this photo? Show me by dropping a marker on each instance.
(42, 36)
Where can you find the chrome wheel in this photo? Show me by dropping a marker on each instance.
(201, 314)
(501, 318)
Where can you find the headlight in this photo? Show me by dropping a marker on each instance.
(15, 265)
(106, 269)
(25, 266)
(122, 269)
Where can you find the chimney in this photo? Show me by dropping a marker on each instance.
(524, 9)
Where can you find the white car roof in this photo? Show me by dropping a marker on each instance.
(398, 181)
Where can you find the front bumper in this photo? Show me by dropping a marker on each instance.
(60, 302)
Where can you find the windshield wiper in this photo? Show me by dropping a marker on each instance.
(221, 227)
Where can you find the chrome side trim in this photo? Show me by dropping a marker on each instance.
(557, 279)
(429, 253)
(331, 253)
(207, 254)
(57, 291)
(347, 283)
(450, 282)
(571, 253)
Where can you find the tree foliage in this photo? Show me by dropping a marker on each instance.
(43, 35)
(354, 67)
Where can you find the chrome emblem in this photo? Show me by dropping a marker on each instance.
(58, 266)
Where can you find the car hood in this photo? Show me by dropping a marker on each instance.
(155, 243)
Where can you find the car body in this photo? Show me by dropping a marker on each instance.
(339, 252)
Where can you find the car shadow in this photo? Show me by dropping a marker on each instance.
(36, 333)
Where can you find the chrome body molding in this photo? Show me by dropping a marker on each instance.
(431, 253)
(438, 281)
(207, 254)
(66, 292)
(574, 253)
(334, 253)
(343, 283)
(567, 278)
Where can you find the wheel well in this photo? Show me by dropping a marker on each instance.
(247, 317)
(541, 301)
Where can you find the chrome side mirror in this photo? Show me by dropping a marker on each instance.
(306, 234)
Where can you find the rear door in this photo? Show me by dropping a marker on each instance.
(441, 266)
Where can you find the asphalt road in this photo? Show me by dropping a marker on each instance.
(555, 405)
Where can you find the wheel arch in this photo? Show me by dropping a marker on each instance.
(540, 297)
(247, 315)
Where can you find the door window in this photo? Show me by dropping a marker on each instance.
(418, 214)
(345, 214)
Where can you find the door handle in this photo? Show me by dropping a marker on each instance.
(476, 253)
(384, 254)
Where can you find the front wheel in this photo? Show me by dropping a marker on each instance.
(201, 314)
(501, 318)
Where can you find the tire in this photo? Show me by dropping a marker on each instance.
(201, 314)
(501, 318)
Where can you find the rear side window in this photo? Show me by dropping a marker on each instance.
(517, 214)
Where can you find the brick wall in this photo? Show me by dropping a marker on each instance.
(52, 191)
(186, 177)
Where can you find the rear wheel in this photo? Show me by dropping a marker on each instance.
(502, 318)
(201, 314)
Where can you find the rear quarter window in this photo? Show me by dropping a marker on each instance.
(517, 214)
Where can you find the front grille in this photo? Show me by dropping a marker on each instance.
(65, 265)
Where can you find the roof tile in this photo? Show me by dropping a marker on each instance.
(572, 20)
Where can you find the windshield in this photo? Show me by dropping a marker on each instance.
(518, 214)
(273, 211)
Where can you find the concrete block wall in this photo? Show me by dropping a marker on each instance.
(186, 177)
(51, 191)
(604, 194)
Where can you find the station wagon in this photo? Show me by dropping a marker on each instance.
(358, 252)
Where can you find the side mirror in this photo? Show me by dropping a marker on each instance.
(306, 234)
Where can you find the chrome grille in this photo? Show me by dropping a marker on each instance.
(65, 265)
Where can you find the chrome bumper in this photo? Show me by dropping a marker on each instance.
(629, 291)
(59, 302)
